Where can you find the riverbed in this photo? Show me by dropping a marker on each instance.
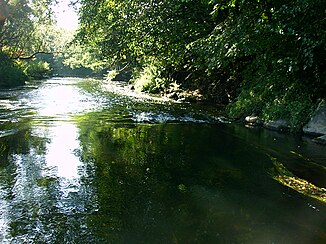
(84, 162)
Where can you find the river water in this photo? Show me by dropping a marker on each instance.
(82, 162)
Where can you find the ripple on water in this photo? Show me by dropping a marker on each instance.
(83, 165)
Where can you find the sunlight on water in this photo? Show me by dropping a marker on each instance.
(60, 152)
(3, 220)
(58, 101)
(82, 163)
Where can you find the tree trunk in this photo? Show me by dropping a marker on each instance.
(3, 13)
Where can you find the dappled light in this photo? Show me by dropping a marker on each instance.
(82, 164)
(175, 121)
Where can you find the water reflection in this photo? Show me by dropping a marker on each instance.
(58, 99)
(188, 184)
(80, 165)
(41, 197)
(60, 153)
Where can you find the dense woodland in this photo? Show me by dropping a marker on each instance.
(257, 57)
(25, 30)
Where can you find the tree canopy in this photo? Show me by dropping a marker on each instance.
(27, 27)
(260, 57)
(263, 57)
(31, 45)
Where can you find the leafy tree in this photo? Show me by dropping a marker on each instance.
(3, 13)
(143, 31)
(10, 73)
(26, 29)
(261, 57)
(276, 48)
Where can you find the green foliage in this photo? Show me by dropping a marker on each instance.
(28, 32)
(262, 57)
(10, 73)
(272, 101)
(143, 30)
(36, 69)
(148, 80)
(276, 53)
(28, 29)
(78, 56)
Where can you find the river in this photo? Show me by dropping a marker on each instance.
(83, 162)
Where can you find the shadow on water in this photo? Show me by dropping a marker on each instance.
(113, 169)
(193, 184)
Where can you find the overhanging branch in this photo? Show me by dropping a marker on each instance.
(34, 55)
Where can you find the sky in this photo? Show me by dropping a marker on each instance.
(66, 16)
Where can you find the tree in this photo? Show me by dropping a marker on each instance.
(3, 13)
(262, 57)
(274, 48)
(26, 28)
(145, 32)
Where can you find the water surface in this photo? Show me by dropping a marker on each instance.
(81, 163)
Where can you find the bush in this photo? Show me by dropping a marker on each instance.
(148, 80)
(10, 73)
(36, 69)
(274, 97)
(277, 59)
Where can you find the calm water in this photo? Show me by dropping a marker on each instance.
(80, 164)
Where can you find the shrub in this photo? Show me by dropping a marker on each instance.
(148, 80)
(10, 73)
(36, 69)
(272, 97)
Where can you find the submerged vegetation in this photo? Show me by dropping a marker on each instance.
(87, 161)
(281, 174)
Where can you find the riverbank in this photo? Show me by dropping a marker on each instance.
(312, 126)
(10, 73)
(97, 166)
(315, 128)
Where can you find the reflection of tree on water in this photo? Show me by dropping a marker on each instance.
(141, 183)
(16, 181)
(36, 205)
(141, 176)
(137, 173)
(179, 183)
(146, 183)
(18, 141)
